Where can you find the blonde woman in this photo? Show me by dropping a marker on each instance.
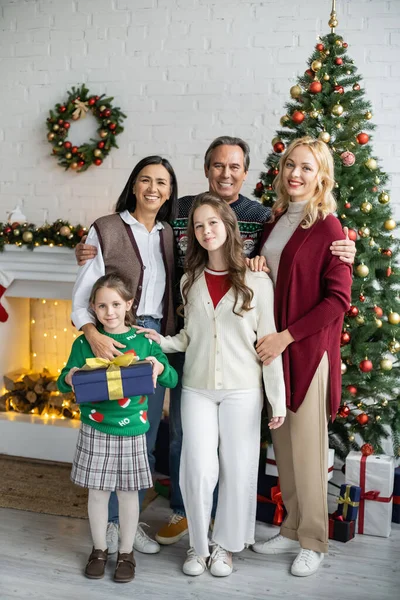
(312, 293)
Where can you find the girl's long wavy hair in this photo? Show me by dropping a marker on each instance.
(197, 256)
(117, 282)
(322, 203)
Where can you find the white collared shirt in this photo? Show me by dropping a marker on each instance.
(154, 279)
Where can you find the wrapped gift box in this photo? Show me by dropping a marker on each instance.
(375, 476)
(270, 508)
(348, 502)
(396, 497)
(271, 468)
(341, 531)
(94, 385)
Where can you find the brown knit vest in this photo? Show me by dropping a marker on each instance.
(121, 254)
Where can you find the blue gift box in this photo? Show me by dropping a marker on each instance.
(396, 496)
(348, 503)
(93, 385)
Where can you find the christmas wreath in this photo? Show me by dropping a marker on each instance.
(79, 102)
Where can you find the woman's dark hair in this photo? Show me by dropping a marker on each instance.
(114, 281)
(127, 199)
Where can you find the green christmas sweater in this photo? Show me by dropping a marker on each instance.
(127, 416)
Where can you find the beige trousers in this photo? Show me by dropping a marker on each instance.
(301, 452)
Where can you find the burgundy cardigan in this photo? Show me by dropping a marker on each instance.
(312, 293)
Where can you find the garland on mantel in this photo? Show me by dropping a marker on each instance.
(60, 233)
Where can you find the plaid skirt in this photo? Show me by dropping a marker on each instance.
(110, 462)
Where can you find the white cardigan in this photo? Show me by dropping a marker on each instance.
(220, 346)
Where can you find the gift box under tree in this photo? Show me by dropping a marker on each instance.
(374, 474)
(396, 497)
(270, 508)
(348, 502)
(339, 529)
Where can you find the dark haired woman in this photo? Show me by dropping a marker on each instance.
(227, 308)
(138, 242)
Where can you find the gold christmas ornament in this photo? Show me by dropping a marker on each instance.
(393, 318)
(284, 120)
(394, 346)
(366, 207)
(27, 236)
(327, 52)
(337, 110)
(390, 224)
(74, 165)
(275, 140)
(386, 364)
(378, 418)
(372, 243)
(377, 180)
(326, 77)
(378, 323)
(314, 114)
(371, 164)
(51, 136)
(364, 232)
(316, 65)
(65, 230)
(351, 438)
(384, 198)
(343, 368)
(360, 320)
(97, 152)
(324, 136)
(68, 156)
(368, 115)
(295, 91)
(362, 270)
(339, 43)
(103, 133)
(384, 402)
(56, 127)
(102, 108)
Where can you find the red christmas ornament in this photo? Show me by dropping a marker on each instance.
(310, 73)
(345, 45)
(81, 232)
(60, 122)
(362, 138)
(338, 61)
(279, 147)
(67, 125)
(81, 163)
(320, 47)
(112, 126)
(344, 411)
(67, 145)
(378, 311)
(352, 389)
(297, 117)
(347, 205)
(260, 186)
(362, 298)
(92, 101)
(344, 338)
(356, 87)
(339, 89)
(74, 149)
(101, 145)
(386, 252)
(275, 172)
(374, 189)
(388, 271)
(315, 87)
(366, 365)
(98, 162)
(353, 235)
(107, 112)
(62, 109)
(367, 449)
(348, 159)
(353, 311)
(96, 98)
(7, 230)
(362, 418)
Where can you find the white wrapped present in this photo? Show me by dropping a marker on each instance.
(375, 476)
(271, 468)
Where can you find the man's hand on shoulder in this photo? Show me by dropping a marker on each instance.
(84, 252)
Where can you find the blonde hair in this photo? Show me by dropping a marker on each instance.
(322, 203)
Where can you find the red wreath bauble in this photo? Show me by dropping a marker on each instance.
(320, 47)
(310, 73)
(344, 411)
(345, 45)
(97, 162)
(367, 449)
(275, 172)
(352, 235)
(315, 87)
(378, 311)
(362, 138)
(259, 186)
(345, 338)
(362, 298)
(297, 117)
(339, 89)
(279, 147)
(366, 365)
(353, 311)
(362, 418)
(352, 389)
(338, 61)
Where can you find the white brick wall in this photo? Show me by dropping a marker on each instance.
(184, 71)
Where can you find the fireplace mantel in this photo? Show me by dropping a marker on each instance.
(40, 273)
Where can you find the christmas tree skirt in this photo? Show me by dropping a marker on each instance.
(44, 487)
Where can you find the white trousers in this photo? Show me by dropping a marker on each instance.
(221, 442)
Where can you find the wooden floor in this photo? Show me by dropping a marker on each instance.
(42, 556)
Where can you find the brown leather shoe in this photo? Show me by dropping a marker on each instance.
(125, 569)
(96, 564)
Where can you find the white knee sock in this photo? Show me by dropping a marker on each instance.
(128, 503)
(98, 517)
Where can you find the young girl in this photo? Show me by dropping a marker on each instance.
(111, 451)
(227, 308)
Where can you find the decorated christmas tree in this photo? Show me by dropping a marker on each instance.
(328, 102)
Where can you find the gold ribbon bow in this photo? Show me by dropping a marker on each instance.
(113, 372)
(81, 110)
(346, 501)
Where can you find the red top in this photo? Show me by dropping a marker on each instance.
(218, 284)
(312, 293)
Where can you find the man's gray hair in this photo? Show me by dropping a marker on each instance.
(226, 140)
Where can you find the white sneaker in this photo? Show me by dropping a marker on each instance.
(143, 543)
(112, 537)
(306, 563)
(276, 545)
(194, 564)
(220, 562)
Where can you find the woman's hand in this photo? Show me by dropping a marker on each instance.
(344, 249)
(276, 422)
(84, 252)
(102, 346)
(68, 377)
(158, 368)
(272, 345)
(151, 334)
(258, 263)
